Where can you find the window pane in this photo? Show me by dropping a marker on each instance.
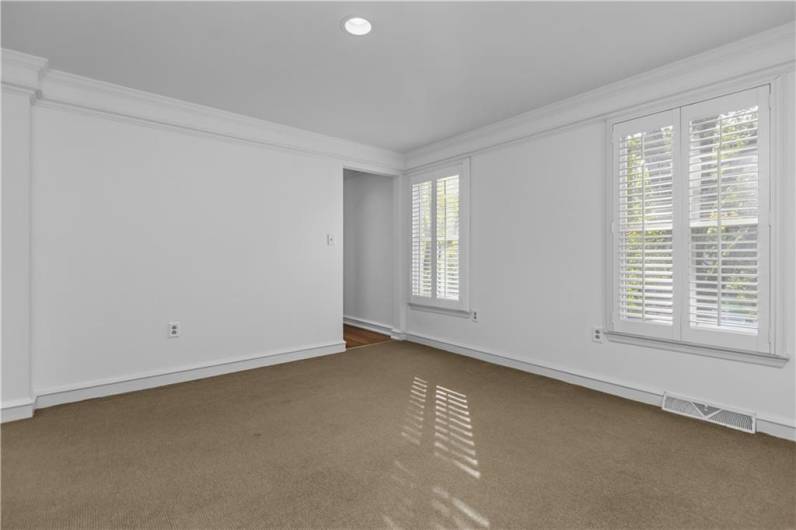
(448, 238)
(421, 239)
(723, 221)
(645, 226)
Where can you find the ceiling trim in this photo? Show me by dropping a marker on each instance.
(763, 51)
(78, 93)
(22, 71)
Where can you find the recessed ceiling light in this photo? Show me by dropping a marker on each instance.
(357, 26)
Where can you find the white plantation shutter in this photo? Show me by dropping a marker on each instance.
(726, 147)
(723, 221)
(448, 238)
(438, 242)
(421, 238)
(690, 228)
(645, 226)
(644, 223)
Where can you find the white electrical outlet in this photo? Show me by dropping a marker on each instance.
(474, 316)
(173, 330)
(597, 334)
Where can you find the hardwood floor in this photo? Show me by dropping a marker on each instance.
(355, 337)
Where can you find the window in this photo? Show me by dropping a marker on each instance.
(690, 224)
(439, 230)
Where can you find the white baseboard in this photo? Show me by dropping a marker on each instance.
(108, 387)
(397, 334)
(370, 325)
(18, 409)
(778, 427)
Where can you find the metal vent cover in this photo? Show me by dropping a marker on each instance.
(734, 419)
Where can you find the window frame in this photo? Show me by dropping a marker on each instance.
(681, 337)
(462, 169)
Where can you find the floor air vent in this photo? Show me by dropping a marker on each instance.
(742, 421)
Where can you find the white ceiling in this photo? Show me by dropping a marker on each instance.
(426, 72)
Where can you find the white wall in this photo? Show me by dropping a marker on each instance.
(124, 210)
(537, 276)
(135, 226)
(17, 396)
(369, 244)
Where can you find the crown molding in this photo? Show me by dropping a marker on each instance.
(62, 88)
(56, 88)
(22, 71)
(771, 50)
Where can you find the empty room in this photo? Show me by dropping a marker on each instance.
(401, 265)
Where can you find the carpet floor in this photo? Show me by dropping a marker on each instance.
(386, 436)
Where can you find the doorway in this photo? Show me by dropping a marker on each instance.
(368, 258)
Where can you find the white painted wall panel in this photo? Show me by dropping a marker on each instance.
(135, 226)
(16, 379)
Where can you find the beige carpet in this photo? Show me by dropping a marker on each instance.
(391, 435)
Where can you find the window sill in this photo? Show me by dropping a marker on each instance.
(461, 313)
(743, 356)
